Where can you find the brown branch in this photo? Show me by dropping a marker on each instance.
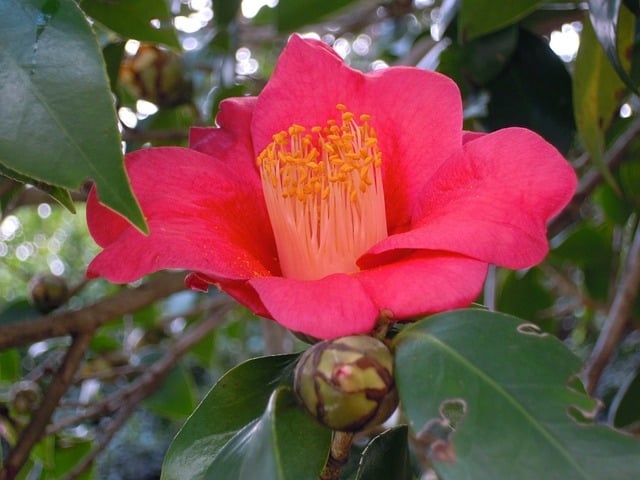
(125, 401)
(618, 316)
(36, 427)
(154, 375)
(91, 317)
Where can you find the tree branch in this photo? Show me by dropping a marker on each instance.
(93, 316)
(619, 314)
(59, 385)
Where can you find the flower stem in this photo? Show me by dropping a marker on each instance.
(338, 456)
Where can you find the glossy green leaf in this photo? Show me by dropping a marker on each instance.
(534, 91)
(61, 195)
(605, 16)
(238, 398)
(132, 19)
(479, 17)
(504, 388)
(284, 443)
(597, 89)
(386, 456)
(524, 295)
(293, 14)
(58, 122)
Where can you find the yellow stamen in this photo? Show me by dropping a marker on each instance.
(323, 190)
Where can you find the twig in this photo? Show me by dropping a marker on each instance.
(36, 427)
(340, 448)
(91, 317)
(154, 375)
(619, 314)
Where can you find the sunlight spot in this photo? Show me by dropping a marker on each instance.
(9, 227)
(44, 210)
(625, 110)
(565, 42)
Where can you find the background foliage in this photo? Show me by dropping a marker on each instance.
(94, 375)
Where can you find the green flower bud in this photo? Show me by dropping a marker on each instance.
(347, 383)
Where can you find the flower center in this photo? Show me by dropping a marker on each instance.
(323, 190)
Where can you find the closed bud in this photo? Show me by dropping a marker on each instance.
(48, 292)
(347, 383)
(25, 396)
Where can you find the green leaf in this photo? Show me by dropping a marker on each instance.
(624, 407)
(475, 63)
(18, 311)
(597, 90)
(61, 195)
(10, 368)
(479, 17)
(132, 19)
(238, 398)
(496, 392)
(284, 443)
(533, 91)
(58, 122)
(225, 11)
(293, 14)
(604, 16)
(176, 398)
(386, 456)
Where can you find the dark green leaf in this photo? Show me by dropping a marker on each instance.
(533, 91)
(512, 416)
(237, 399)
(386, 456)
(604, 16)
(475, 63)
(61, 195)
(479, 17)
(284, 443)
(597, 91)
(176, 398)
(113, 53)
(18, 311)
(132, 19)
(58, 122)
(624, 410)
(225, 11)
(293, 14)
(10, 369)
(523, 295)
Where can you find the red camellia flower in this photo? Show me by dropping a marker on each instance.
(336, 197)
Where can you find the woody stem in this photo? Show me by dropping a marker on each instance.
(338, 456)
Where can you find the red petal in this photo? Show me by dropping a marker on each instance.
(491, 201)
(424, 283)
(204, 214)
(234, 119)
(331, 307)
(417, 114)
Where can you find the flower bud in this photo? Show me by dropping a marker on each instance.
(347, 383)
(24, 396)
(48, 292)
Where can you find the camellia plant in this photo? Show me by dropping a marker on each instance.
(340, 203)
(409, 233)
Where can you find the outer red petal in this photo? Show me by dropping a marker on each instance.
(331, 307)
(417, 114)
(204, 214)
(424, 283)
(491, 201)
